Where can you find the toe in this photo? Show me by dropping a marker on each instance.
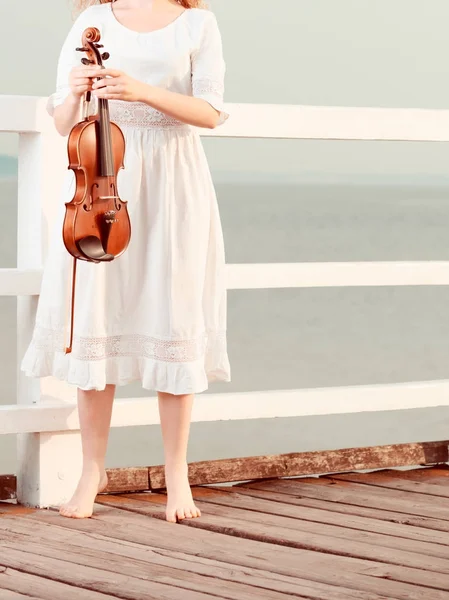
(180, 514)
(67, 511)
(170, 516)
(73, 512)
(188, 513)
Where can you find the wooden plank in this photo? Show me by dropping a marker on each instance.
(437, 475)
(266, 467)
(129, 479)
(93, 578)
(403, 503)
(133, 559)
(332, 508)
(58, 538)
(305, 535)
(29, 586)
(8, 487)
(277, 533)
(114, 563)
(392, 582)
(12, 509)
(272, 503)
(391, 481)
(308, 463)
(10, 595)
(222, 572)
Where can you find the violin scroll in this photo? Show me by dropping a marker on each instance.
(91, 37)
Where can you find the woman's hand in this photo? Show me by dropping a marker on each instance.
(80, 79)
(116, 85)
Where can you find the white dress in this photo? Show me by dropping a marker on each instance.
(158, 312)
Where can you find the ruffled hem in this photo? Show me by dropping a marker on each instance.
(170, 377)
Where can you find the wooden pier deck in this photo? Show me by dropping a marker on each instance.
(377, 536)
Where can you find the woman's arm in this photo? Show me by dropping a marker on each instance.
(190, 110)
(67, 114)
(194, 111)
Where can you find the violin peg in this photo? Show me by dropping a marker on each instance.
(105, 55)
(98, 45)
(81, 49)
(86, 61)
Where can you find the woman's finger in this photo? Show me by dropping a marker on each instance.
(111, 73)
(100, 83)
(82, 81)
(80, 89)
(108, 95)
(87, 71)
(84, 86)
(106, 82)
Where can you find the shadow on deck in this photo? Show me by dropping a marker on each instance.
(382, 535)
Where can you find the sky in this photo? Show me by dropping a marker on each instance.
(317, 52)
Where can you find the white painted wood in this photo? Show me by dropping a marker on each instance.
(54, 416)
(27, 114)
(333, 123)
(49, 468)
(14, 282)
(20, 282)
(22, 114)
(41, 457)
(336, 274)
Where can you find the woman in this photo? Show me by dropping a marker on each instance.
(158, 312)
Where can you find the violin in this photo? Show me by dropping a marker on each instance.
(97, 226)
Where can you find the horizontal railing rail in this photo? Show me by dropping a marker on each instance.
(256, 276)
(54, 416)
(46, 414)
(26, 114)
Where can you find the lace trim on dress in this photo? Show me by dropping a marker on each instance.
(139, 114)
(101, 348)
(208, 87)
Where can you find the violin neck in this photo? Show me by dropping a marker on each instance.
(106, 157)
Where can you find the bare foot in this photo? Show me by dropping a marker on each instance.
(180, 503)
(82, 503)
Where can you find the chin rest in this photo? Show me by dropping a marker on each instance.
(92, 248)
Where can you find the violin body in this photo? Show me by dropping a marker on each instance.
(96, 225)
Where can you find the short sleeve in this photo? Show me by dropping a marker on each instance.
(68, 58)
(208, 67)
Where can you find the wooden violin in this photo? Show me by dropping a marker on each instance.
(96, 226)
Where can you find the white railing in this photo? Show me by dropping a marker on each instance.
(45, 414)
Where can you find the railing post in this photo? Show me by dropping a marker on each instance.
(48, 464)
